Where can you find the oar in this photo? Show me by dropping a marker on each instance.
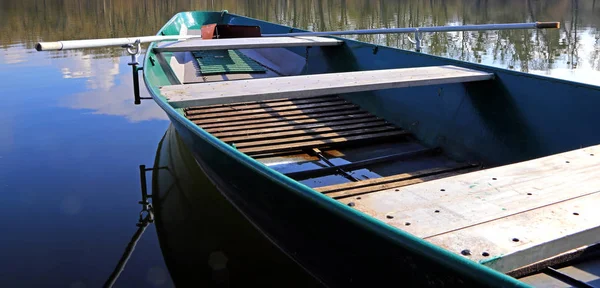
(110, 42)
(482, 27)
(107, 42)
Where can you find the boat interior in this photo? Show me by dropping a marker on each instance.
(319, 129)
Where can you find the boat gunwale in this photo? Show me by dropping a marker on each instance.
(404, 239)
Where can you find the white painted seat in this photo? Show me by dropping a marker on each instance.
(181, 96)
(245, 43)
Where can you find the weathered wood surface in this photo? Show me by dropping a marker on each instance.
(291, 124)
(182, 96)
(244, 43)
(377, 184)
(483, 211)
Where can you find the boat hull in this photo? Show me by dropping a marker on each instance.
(339, 252)
(498, 121)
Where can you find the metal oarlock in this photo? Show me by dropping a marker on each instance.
(135, 50)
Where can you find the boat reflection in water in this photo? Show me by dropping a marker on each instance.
(205, 241)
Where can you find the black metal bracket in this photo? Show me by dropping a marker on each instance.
(135, 50)
(137, 99)
(146, 205)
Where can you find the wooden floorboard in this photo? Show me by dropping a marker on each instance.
(396, 181)
(254, 105)
(288, 121)
(203, 115)
(357, 127)
(348, 108)
(524, 238)
(319, 143)
(482, 211)
(322, 136)
(360, 164)
(292, 125)
(254, 130)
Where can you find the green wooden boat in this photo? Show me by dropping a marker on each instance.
(370, 165)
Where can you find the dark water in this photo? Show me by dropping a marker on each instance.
(71, 139)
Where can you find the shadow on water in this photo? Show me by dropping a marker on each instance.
(203, 238)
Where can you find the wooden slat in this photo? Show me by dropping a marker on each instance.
(347, 107)
(323, 136)
(251, 130)
(181, 96)
(540, 233)
(270, 101)
(285, 134)
(258, 104)
(486, 196)
(359, 164)
(232, 112)
(282, 119)
(372, 185)
(287, 121)
(320, 143)
(245, 43)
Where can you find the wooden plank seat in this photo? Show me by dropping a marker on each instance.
(200, 94)
(282, 125)
(505, 217)
(245, 43)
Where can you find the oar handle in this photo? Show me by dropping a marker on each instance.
(108, 42)
(48, 46)
(547, 25)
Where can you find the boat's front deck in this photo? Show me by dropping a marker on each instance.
(327, 143)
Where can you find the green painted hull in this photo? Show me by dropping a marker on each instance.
(515, 117)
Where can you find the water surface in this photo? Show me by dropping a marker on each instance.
(71, 139)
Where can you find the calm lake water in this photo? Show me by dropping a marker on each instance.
(71, 139)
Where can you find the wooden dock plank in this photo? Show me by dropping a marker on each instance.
(245, 43)
(181, 96)
(484, 196)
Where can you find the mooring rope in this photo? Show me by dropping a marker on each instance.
(142, 225)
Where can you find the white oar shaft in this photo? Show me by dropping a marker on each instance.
(108, 42)
(509, 26)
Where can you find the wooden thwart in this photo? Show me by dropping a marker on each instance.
(182, 96)
(507, 217)
(245, 43)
